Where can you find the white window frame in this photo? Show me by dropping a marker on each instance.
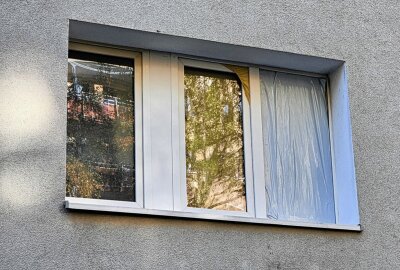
(161, 184)
(180, 197)
(343, 174)
(137, 58)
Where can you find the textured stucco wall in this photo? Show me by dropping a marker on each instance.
(37, 233)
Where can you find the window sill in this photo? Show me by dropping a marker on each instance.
(79, 204)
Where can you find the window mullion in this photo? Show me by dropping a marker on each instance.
(138, 91)
(147, 168)
(257, 144)
(178, 122)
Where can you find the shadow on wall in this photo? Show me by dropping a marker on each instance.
(90, 218)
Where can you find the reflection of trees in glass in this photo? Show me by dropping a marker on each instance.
(100, 131)
(214, 143)
(82, 181)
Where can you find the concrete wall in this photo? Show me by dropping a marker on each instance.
(37, 233)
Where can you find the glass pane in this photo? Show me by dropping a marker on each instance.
(214, 141)
(100, 128)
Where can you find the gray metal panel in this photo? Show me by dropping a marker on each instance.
(118, 36)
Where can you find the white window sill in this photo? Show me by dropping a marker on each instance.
(78, 204)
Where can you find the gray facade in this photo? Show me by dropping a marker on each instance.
(36, 232)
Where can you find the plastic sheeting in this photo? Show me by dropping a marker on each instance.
(298, 165)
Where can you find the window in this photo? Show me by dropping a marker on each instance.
(215, 154)
(102, 150)
(164, 134)
(215, 176)
(296, 144)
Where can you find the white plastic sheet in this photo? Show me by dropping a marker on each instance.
(298, 166)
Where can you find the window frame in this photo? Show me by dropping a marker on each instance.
(252, 138)
(137, 58)
(180, 196)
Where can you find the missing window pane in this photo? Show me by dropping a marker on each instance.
(214, 140)
(100, 127)
(298, 163)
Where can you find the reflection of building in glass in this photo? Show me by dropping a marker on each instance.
(109, 107)
(100, 147)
